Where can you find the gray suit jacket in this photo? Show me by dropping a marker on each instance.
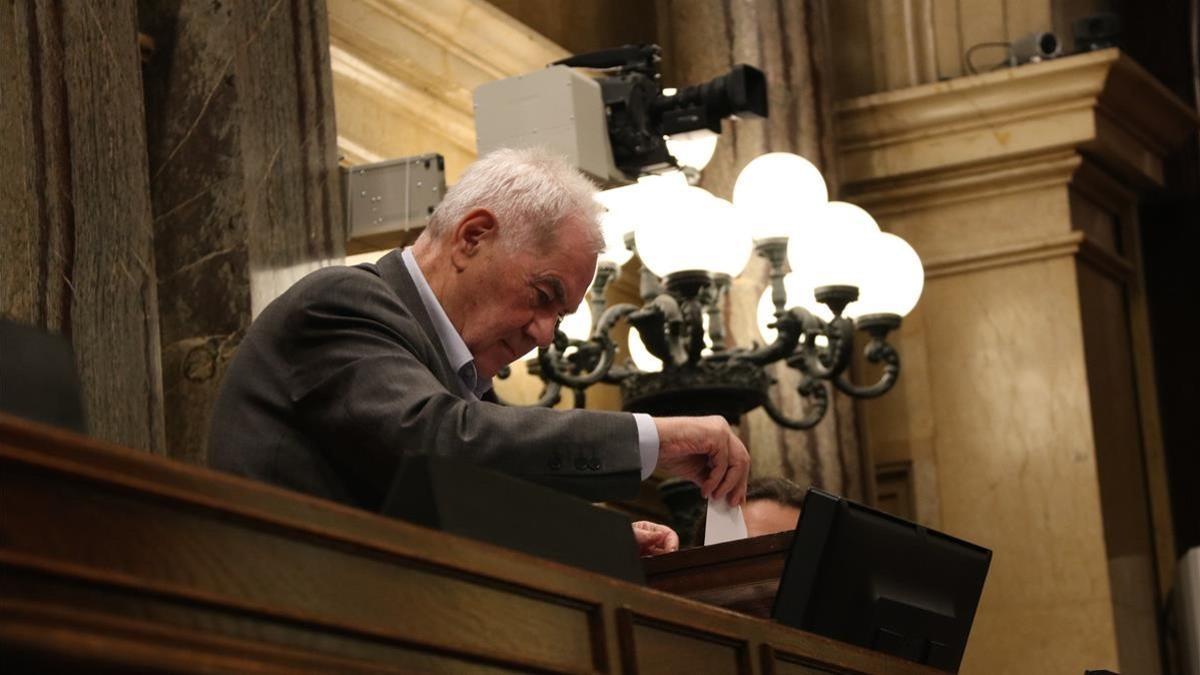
(343, 377)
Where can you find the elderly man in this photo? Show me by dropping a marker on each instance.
(355, 368)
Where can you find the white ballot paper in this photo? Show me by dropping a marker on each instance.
(724, 523)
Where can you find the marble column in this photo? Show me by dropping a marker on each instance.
(790, 43)
(76, 242)
(243, 176)
(1029, 414)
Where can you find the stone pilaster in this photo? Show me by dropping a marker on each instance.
(243, 168)
(1027, 405)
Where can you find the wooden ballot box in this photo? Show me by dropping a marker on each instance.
(741, 575)
(114, 560)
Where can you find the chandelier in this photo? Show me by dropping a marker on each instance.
(833, 275)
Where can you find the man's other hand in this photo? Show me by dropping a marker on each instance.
(705, 451)
(654, 539)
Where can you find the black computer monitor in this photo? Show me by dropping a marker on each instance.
(476, 502)
(869, 578)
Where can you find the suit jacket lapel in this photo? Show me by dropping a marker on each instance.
(393, 272)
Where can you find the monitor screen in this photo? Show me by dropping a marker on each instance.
(869, 578)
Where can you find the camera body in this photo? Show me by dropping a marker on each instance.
(556, 107)
(611, 125)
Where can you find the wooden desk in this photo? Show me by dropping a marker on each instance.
(739, 575)
(115, 560)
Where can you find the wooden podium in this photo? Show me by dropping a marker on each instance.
(115, 560)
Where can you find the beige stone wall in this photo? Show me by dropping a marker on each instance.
(403, 73)
(883, 45)
(1026, 407)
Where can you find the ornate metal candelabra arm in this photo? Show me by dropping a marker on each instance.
(551, 392)
(816, 398)
(878, 350)
(591, 362)
(606, 271)
(660, 323)
(586, 366)
(693, 329)
(774, 249)
(649, 286)
(716, 324)
(789, 327)
(610, 317)
(825, 362)
(601, 331)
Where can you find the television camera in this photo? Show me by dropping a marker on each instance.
(607, 112)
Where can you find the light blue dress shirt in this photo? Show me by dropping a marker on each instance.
(464, 364)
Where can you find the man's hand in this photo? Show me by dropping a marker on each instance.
(705, 451)
(654, 539)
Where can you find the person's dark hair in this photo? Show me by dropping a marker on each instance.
(777, 489)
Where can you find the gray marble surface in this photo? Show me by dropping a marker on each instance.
(246, 200)
(77, 240)
(156, 204)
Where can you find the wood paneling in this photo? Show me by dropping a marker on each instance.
(787, 664)
(657, 648)
(114, 560)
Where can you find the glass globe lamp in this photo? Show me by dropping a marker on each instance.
(616, 223)
(693, 149)
(618, 220)
(725, 239)
(892, 280)
(777, 193)
(687, 230)
(831, 250)
(799, 291)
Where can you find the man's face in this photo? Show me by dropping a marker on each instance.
(522, 295)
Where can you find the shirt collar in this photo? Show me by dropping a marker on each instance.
(457, 353)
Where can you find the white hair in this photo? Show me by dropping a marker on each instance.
(530, 191)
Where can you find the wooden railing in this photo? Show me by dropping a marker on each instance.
(115, 560)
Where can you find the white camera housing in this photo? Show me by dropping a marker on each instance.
(557, 108)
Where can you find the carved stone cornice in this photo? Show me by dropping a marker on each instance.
(417, 62)
(1101, 104)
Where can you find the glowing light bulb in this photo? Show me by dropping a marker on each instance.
(778, 194)
(892, 280)
(831, 250)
